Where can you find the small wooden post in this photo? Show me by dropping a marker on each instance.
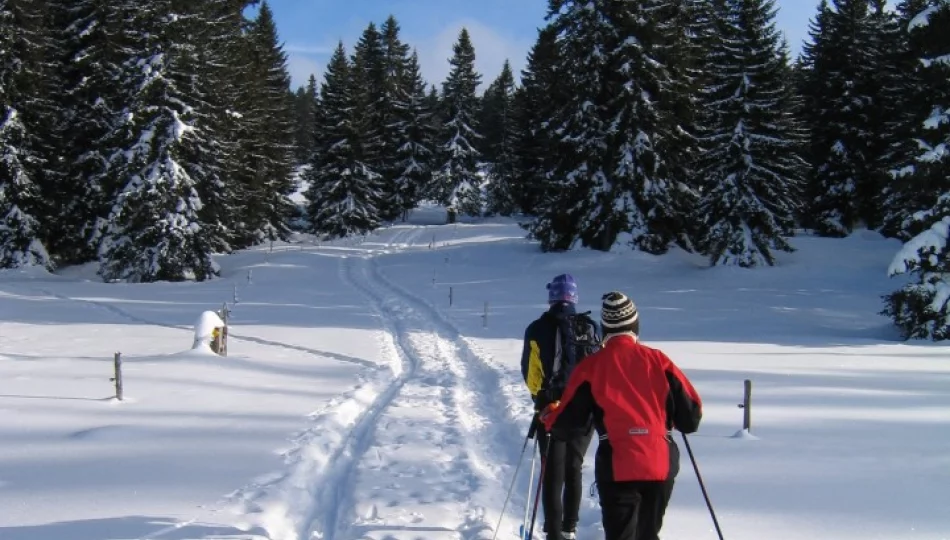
(433, 277)
(235, 294)
(746, 406)
(118, 376)
(248, 277)
(223, 347)
(485, 317)
(450, 296)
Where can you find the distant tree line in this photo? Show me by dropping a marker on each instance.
(149, 138)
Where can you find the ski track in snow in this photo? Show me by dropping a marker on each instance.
(459, 390)
(304, 501)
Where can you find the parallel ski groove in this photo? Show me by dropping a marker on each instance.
(427, 352)
(332, 492)
(486, 442)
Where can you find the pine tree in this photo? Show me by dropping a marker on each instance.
(751, 166)
(305, 110)
(342, 195)
(845, 177)
(371, 113)
(21, 201)
(271, 144)
(155, 229)
(412, 139)
(223, 95)
(394, 107)
(536, 101)
(921, 309)
(578, 178)
(499, 130)
(814, 71)
(91, 41)
(626, 141)
(457, 174)
(906, 193)
(669, 198)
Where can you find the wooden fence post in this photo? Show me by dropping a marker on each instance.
(223, 348)
(746, 406)
(450, 296)
(118, 376)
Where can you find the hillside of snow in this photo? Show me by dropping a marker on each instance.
(357, 402)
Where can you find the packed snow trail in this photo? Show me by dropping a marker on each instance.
(304, 501)
(445, 448)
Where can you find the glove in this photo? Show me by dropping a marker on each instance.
(547, 414)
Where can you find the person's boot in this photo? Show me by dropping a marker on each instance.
(568, 535)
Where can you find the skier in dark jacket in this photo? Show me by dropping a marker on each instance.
(553, 346)
(637, 395)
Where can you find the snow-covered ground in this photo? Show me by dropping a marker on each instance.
(357, 403)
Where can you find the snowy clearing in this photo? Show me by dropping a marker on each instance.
(356, 403)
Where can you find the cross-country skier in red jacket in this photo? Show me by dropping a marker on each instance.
(637, 396)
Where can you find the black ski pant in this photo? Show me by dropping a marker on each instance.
(634, 510)
(562, 487)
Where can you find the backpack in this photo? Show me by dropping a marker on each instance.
(582, 339)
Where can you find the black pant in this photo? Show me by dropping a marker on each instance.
(634, 510)
(562, 487)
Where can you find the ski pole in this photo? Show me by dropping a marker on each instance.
(702, 486)
(515, 477)
(527, 506)
(537, 496)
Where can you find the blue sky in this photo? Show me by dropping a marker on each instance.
(500, 29)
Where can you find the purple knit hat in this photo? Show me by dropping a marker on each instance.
(562, 288)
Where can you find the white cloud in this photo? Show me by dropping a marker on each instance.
(308, 49)
(300, 67)
(491, 50)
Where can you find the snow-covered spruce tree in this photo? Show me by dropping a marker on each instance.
(906, 193)
(624, 148)
(155, 230)
(392, 104)
(413, 139)
(845, 177)
(343, 195)
(535, 102)
(891, 79)
(91, 43)
(921, 309)
(579, 177)
(372, 112)
(813, 71)
(305, 110)
(268, 207)
(457, 173)
(20, 197)
(668, 196)
(216, 28)
(499, 130)
(751, 167)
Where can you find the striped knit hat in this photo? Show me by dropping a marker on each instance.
(619, 314)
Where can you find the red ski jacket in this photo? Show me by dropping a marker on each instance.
(636, 396)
